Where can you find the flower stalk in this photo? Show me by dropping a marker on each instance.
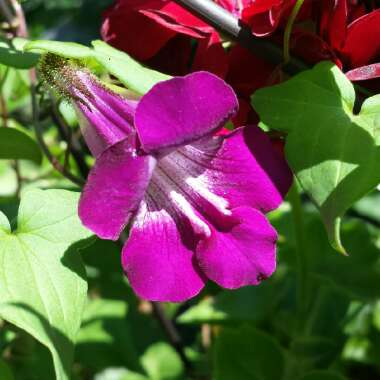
(289, 28)
(301, 249)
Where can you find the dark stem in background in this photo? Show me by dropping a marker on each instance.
(39, 134)
(7, 13)
(235, 29)
(301, 250)
(168, 326)
(171, 332)
(66, 134)
(22, 30)
(14, 14)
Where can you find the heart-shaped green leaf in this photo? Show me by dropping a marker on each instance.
(334, 153)
(17, 145)
(42, 278)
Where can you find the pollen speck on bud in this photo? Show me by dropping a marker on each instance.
(105, 117)
(62, 74)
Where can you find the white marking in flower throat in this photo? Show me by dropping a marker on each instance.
(182, 184)
(199, 226)
(200, 186)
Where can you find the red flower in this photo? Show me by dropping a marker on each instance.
(144, 28)
(264, 16)
(161, 33)
(347, 35)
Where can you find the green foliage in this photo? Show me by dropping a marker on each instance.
(131, 73)
(105, 336)
(247, 354)
(12, 54)
(53, 4)
(357, 275)
(322, 375)
(5, 371)
(250, 304)
(15, 144)
(42, 279)
(342, 157)
(161, 362)
(250, 333)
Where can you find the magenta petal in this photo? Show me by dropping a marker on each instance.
(114, 189)
(364, 72)
(159, 260)
(244, 254)
(246, 170)
(104, 116)
(183, 109)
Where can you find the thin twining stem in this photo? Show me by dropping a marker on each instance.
(39, 134)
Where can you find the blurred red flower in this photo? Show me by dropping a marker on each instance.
(161, 31)
(168, 38)
(347, 35)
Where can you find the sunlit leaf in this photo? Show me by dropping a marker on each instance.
(131, 73)
(161, 362)
(334, 152)
(42, 279)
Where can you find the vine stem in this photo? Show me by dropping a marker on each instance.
(65, 132)
(171, 332)
(289, 28)
(22, 31)
(301, 249)
(39, 134)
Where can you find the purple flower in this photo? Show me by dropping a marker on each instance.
(195, 201)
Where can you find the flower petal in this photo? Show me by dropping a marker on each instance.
(264, 16)
(244, 169)
(114, 189)
(248, 72)
(183, 109)
(244, 254)
(174, 17)
(236, 7)
(259, 6)
(174, 57)
(311, 47)
(333, 23)
(361, 51)
(158, 257)
(211, 56)
(364, 72)
(105, 117)
(125, 28)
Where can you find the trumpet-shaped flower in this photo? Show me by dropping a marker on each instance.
(195, 201)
